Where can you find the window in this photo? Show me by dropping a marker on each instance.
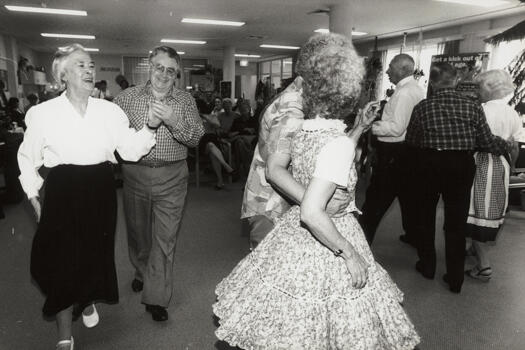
(276, 70)
(501, 55)
(265, 70)
(287, 68)
(136, 69)
(276, 73)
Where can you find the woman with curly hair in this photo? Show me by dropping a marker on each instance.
(312, 282)
(489, 194)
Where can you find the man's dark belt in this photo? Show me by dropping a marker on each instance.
(151, 163)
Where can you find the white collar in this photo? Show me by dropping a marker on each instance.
(405, 80)
(500, 101)
(318, 123)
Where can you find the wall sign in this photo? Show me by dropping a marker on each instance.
(468, 66)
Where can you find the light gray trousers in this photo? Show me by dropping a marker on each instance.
(153, 203)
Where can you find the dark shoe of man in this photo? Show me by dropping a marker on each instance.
(404, 238)
(137, 285)
(158, 313)
(453, 288)
(424, 271)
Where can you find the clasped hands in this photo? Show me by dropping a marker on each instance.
(159, 113)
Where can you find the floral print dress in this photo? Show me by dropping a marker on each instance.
(293, 293)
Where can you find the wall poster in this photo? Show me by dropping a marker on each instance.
(468, 65)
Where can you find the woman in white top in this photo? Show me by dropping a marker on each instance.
(76, 136)
(312, 283)
(489, 194)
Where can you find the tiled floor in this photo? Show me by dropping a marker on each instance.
(484, 316)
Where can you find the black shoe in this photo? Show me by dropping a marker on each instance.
(137, 285)
(404, 238)
(421, 269)
(453, 288)
(158, 313)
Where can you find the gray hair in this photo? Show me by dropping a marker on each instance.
(332, 73)
(494, 84)
(60, 59)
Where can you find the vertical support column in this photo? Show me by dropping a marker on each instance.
(11, 49)
(228, 67)
(341, 19)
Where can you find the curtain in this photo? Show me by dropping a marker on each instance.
(379, 83)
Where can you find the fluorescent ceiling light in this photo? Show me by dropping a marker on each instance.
(46, 10)
(246, 55)
(69, 36)
(280, 47)
(325, 31)
(179, 52)
(90, 49)
(212, 21)
(481, 3)
(177, 41)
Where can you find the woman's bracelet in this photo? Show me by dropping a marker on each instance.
(338, 252)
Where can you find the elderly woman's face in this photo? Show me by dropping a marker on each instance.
(79, 71)
(218, 103)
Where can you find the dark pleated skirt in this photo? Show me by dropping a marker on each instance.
(72, 257)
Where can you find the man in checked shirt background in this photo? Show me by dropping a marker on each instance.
(155, 187)
(445, 130)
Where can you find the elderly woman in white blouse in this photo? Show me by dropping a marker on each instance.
(490, 189)
(75, 135)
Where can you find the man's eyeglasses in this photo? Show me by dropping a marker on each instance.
(159, 68)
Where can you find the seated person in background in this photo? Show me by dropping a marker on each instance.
(101, 91)
(202, 105)
(33, 101)
(259, 100)
(217, 126)
(15, 114)
(122, 82)
(243, 137)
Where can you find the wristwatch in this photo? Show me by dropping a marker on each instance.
(151, 127)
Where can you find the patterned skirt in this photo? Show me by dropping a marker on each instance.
(292, 293)
(489, 197)
(72, 257)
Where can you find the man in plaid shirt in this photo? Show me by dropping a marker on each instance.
(155, 187)
(444, 131)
